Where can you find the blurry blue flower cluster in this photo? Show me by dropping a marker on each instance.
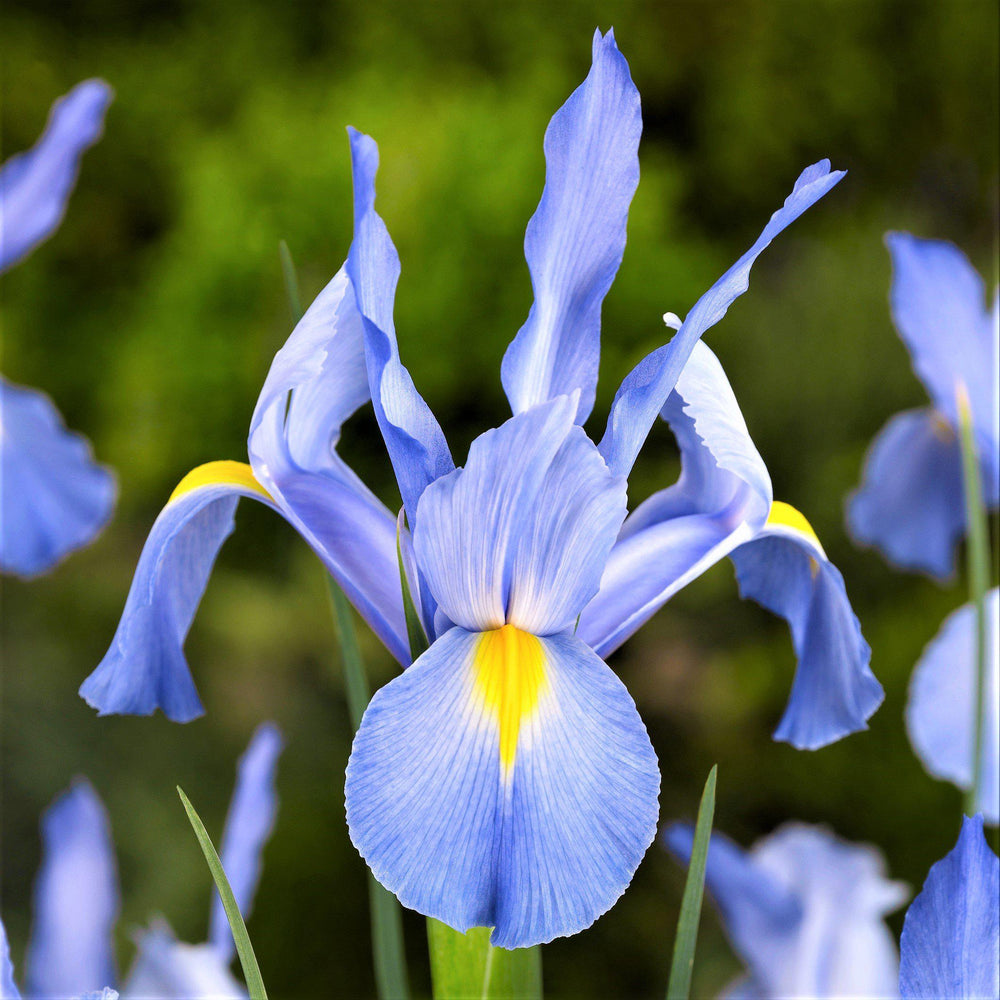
(504, 778)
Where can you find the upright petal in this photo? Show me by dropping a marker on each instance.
(576, 238)
(145, 668)
(35, 185)
(76, 899)
(940, 713)
(721, 500)
(911, 503)
(54, 497)
(504, 781)
(415, 441)
(951, 935)
(8, 988)
(648, 386)
(248, 827)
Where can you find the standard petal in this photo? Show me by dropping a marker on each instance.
(648, 386)
(248, 827)
(413, 437)
(911, 503)
(785, 570)
(941, 709)
(576, 238)
(504, 781)
(951, 935)
(145, 668)
(721, 500)
(35, 185)
(8, 988)
(76, 899)
(54, 497)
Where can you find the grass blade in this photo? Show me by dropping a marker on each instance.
(251, 971)
(291, 281)
(679, 987)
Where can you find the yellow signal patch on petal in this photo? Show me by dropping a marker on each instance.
(225, 473)
(784, 516)
(509, 667)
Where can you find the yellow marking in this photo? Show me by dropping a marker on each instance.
(784, 515)
(220, 473)
(509, 670)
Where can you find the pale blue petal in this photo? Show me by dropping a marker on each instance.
(951, 936)
(106, 994)
(54, 497)
(834, 692)
(415, 441)
(911, 503)
(648, 386)
(721, 500)
(535, 850)
(576, 238)
(8, 988)
(76, 899)
(35, 185)
(942, 705)
(145, 668)
(248, 827)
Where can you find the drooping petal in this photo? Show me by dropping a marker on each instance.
(54, 498)
(8, 988)
(911, 503)
(504, 781)
(145, 668)
(576, 238)
(941, 709)
(721, 500)
(648, 386)
(76, 899)
(413, 437)
(35, 185)
(316, 381)
(951, 935)
(785, 570)
(248, 826)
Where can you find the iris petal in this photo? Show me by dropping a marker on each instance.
(76, 899)
(54, 497)
(950, 945)
(576, 238)
(8, 988)
(943, 701)
(504, 781)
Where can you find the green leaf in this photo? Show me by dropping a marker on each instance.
(414, 627)
(679, 987)
(468, 966)
(291, 281)
(251, 971)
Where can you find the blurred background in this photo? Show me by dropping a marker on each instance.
(152, 315)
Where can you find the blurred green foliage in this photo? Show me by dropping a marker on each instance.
(152, 315)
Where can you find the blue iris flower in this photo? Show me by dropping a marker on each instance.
(910, 504)
(804, 910)
(505, 779)
(54, 497)
(950, 945)
(76, 899)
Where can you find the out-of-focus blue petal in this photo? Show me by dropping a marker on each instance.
(786, 571)
(317, 380)
(35, 185)
(941, 709)
(8, 988)
(145, 668)
(804, 910)
(54, 497)
(504, 781)
(951, 935)
(168, 969)
(248, 826)
(721, 500)
(911, 504)
(76, 899)
(521, 534)
(648, 386)
(576, 238)
(415, 441)
(106, 994)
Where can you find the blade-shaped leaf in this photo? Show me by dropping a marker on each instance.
(467, 965)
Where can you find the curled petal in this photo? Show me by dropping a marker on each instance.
(504, 781)
(54, 498)
(8, 988)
